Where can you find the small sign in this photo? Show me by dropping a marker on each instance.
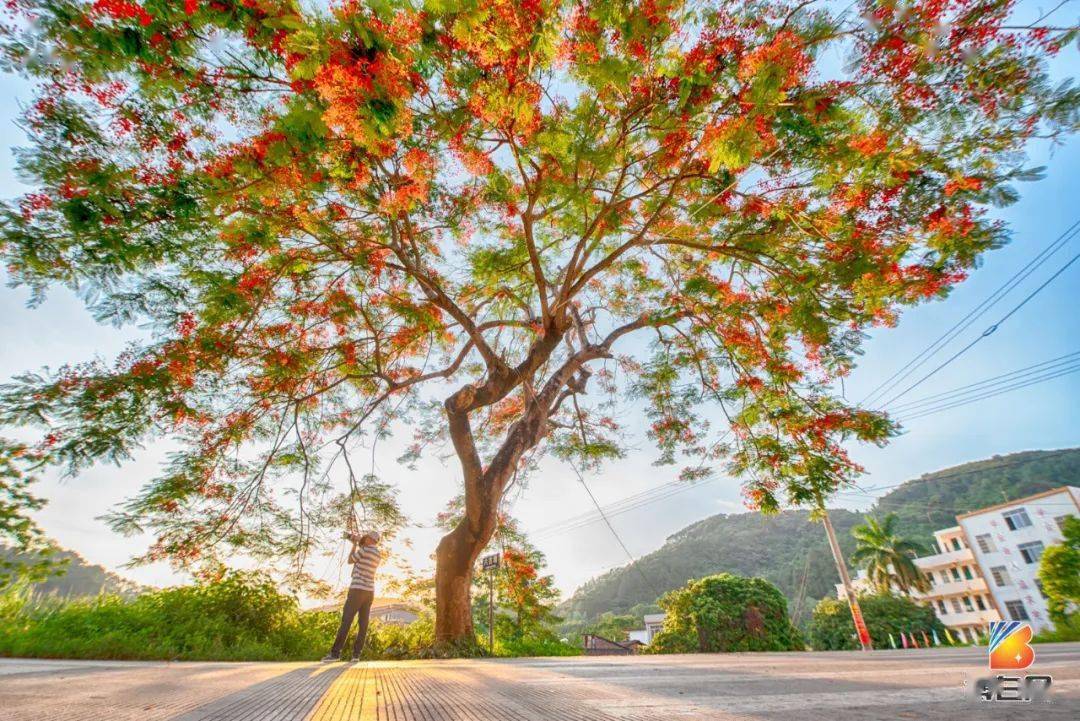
(490, 562)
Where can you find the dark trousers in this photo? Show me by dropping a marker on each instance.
(357, 604)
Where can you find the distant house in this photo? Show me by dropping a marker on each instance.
(600, 646)
(653, 623)
(393, 611)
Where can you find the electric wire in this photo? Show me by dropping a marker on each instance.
(974, 314)
(986, 333)
(600, 510)
(990, 394)
(979, 386)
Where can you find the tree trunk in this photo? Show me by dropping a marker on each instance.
(455, 558)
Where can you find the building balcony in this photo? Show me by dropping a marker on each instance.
(954, 588)
(969, 618)
(944, 560)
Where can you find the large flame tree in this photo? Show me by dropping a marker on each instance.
(329, 216)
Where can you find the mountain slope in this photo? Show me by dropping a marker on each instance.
(792, 552)
(78, 578)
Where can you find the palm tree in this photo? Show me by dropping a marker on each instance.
(887, 556)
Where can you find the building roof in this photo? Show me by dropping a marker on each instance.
(1025, 499)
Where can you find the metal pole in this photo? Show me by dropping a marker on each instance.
(491, 612)
(849, 591)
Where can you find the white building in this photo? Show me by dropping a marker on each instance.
(958, 589)
(1007, 541)
(653, 623)
(986, 566)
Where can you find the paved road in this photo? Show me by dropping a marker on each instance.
(917, 684)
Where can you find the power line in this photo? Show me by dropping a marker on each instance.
(995, 380)
(989, 331)
(611, 508)
(974, 314)
(1038, 369)
(600, 510)
(990, 394)
(587, 519)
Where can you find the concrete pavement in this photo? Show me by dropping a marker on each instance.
(916, 684)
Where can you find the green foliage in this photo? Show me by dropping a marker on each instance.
(612, 626)
(887, 556)
(791, 551)
(787, 549)
(1059, 571)
(241, 617)
(726, 613)
(831, 627)
(25, 553)
(1065, 630)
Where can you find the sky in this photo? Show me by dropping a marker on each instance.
(1043, 416)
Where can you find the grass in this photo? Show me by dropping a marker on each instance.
(242, 617)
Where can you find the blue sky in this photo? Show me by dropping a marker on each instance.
(1042, 416)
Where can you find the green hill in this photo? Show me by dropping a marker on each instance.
(77, 577)
(792, 552)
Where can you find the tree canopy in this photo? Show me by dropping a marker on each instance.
(331, 217)
(724, 614)
(1059, 572)
(887, 556)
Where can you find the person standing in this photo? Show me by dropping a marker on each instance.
(365, 557)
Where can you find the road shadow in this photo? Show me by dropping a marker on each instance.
(291, 695)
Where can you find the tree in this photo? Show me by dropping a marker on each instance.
(524, 599)
(832, 629)
(1059, 572)
(26, 554)
(887, 556)
(726, 613)
(330, 220)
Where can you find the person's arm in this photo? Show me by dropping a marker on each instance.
(354, 554)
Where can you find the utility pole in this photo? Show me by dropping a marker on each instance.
(849, 590)
(491, 564)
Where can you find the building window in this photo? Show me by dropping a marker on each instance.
(967, 604)
(956, 605)
(1060, 521)
(979, 603)
(1038, 585)
(941, 608)
(956, 544)
(1016, 518)
(929, 579)
(1016, 610)
(944, 577)
(1030, 551)
(1000, 575)
(985, 543)
(955, 573)
(967, 573)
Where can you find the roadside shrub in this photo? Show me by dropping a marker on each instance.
(241, 617)
(726, 613)
(831, 627)
(1067, 629)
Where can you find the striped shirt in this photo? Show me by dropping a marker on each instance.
(365, 560)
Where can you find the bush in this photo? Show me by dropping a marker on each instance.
(242, 617)
(831, 627)
(726, 613)
(1067, 629)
